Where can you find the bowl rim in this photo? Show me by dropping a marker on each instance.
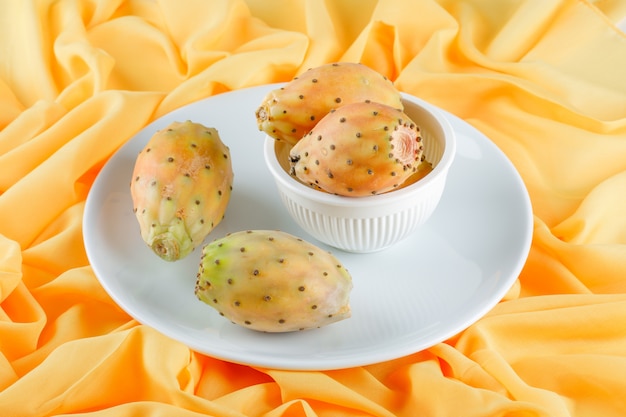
(391, 197)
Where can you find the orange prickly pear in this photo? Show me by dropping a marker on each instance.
(359, 149)
(180, 188)
(288, 113)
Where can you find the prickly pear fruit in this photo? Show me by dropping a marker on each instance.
(180, 188)
(358, 149)
(290, 112)
(272, 281)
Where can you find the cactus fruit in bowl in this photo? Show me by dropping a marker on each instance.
(272, 281)
(376, 221)
(359, 149)
(289, 112)
(181, 186)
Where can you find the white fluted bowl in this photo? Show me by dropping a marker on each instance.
(372, 223)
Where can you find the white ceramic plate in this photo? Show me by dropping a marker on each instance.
(405, 299)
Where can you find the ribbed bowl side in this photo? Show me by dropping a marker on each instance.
(360, 235)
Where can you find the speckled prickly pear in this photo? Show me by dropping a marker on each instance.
(290, 112)
(180, 187)
(359, 149)
(272, 281)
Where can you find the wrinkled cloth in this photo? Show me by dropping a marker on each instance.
(544, 80)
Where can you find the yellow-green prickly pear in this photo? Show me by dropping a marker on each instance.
(181, 186)
(288, 113)
(272, 281)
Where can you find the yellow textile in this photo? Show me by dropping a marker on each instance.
(544, 79)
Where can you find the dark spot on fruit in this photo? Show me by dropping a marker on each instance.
(301, 96)
(237, 303)
(242, 249)
(314, 80)
(230, 281)
(313, 307)
(197, 202)
(267, 298)
(247, 322)
(301, 288)
(170, 159)
(332, 147)
(216, 262)
(349, 162)
(281, 321)
(342, 120)
(255, 272)
(338, 100)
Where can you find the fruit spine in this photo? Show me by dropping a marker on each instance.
(181, 186)
(272, 281)
(288, 113)
(359, 149)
